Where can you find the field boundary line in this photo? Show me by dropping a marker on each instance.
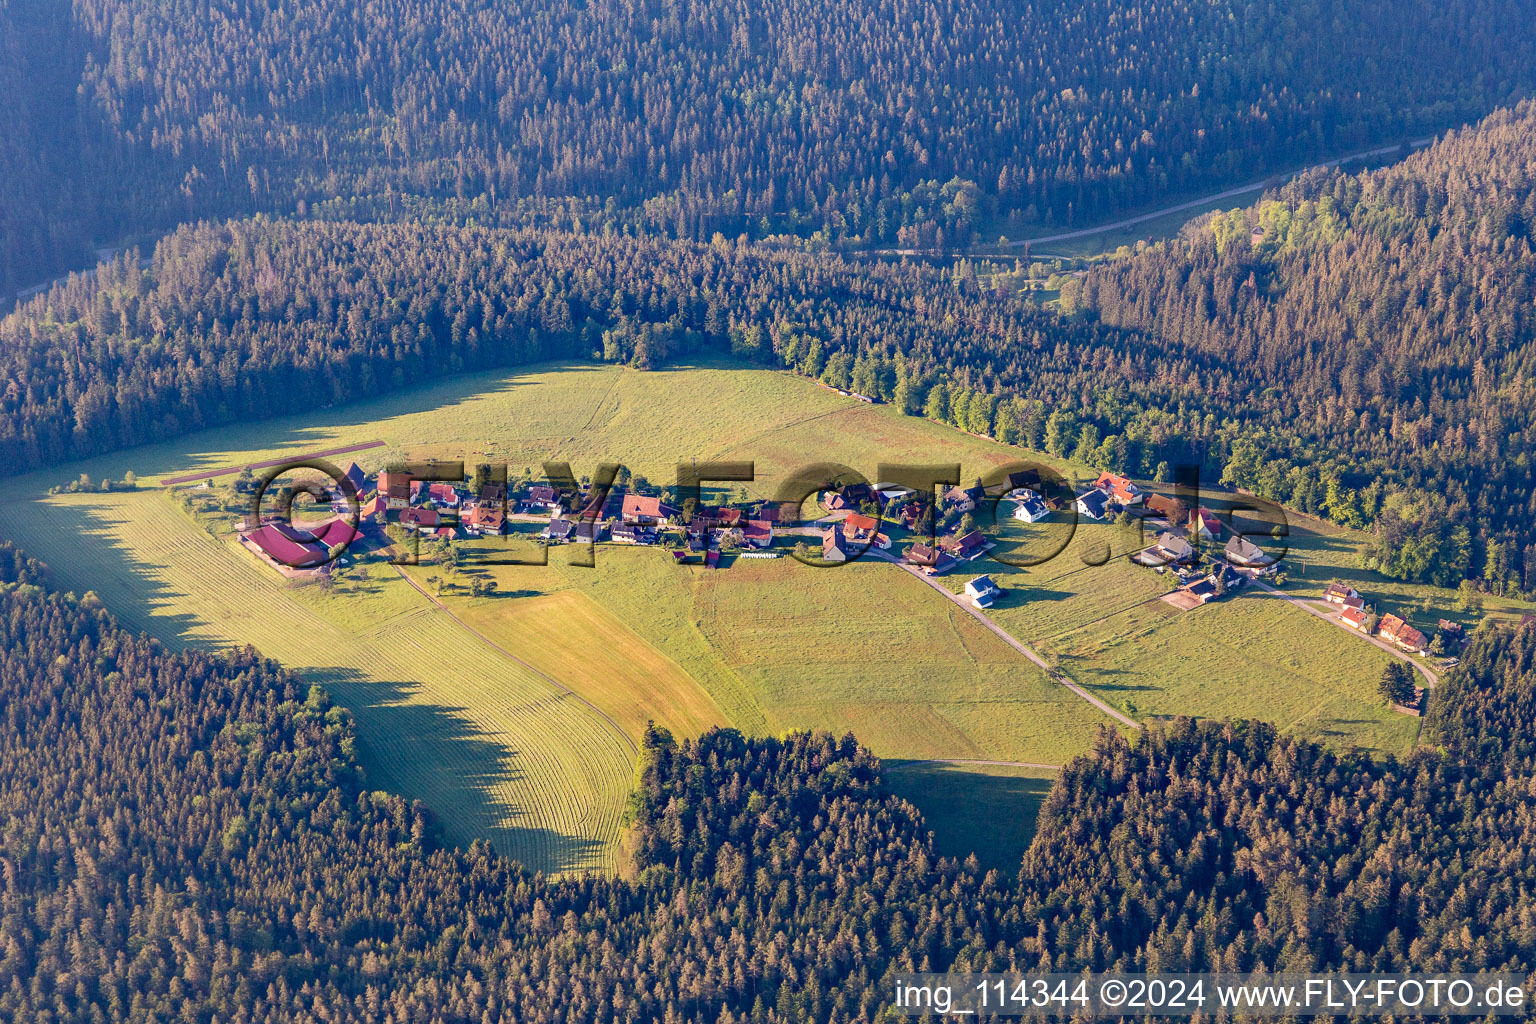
(566, 690)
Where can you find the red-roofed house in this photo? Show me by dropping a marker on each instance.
(419, 519)
(1119, 489)
(1204, 522)
(444, 494)
(1355, 618)
(396, 489)
(860, 526)
(967, 547)
(758, 533)
(485, 520)
(644, 510)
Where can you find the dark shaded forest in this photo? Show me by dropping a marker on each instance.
(877, 122)
(1383, 321)
(187, 837)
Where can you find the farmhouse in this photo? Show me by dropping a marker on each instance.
(1030, 509)
(930, 560)
(638, 509)
(288, 548)
(1339, 593)
(1394, 629)
(1120, 490)
(1170, 509)
(1355, 618)
(1093, 503)
(860, 526)
(834, 546)
(632, 533)
(981, 591)
(758, 533)
(587, 532)
(966, 547)
(396, 489)
(492, 493)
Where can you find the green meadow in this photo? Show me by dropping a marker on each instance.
(515, 715)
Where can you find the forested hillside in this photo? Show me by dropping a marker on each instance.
(1379, 328)
(910, 122)
(187, 837)
(249, 319)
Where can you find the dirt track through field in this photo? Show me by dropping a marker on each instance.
(188, 478)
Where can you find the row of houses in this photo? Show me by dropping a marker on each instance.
(1391, 628)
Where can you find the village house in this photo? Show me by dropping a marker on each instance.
(420, 520)
(1119, 490)
(962, 499)
(1240, 551)
(1030, 509)
(443, 495)
(631, 533)
(834, 546)
(397, 489)
(1356, 618)
(492, 493)
(981, 591)
(1093, 503)
(588, 532)
(638, 509)
(558, 530)
(1170, 510)
(758, 533)
(543, 496)
(965, 548)
(1203, 523)
(485, 520)
(1172, 548)
(1395, 630)
(1339, 593)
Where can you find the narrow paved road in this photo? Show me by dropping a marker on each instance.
(1430, 677)
(1008, 638)
(424, 592)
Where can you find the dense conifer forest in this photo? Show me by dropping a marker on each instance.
(898, 122)
(1355, 347)
(1383, 322)
(186, 837)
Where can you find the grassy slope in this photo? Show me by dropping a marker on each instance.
(857, 648)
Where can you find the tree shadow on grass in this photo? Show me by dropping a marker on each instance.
(972, 809)
(421, 750)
